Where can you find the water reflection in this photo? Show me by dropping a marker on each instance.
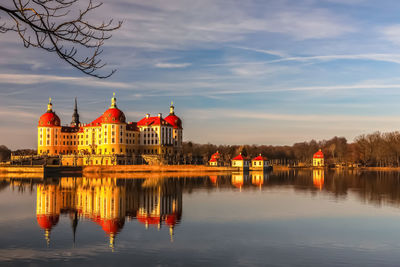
(108, 202)
(157, 202)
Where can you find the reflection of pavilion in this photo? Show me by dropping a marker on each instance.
(107, 203)
(258, 178)
(318, 178)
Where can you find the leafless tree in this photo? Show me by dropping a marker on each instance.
(60, 26)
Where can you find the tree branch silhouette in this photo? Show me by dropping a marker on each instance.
(54, 26)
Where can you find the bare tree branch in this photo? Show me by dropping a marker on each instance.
(60, 26)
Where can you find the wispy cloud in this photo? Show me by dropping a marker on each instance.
(217, 113)
(27, 79)
(263, 51)
(172, 65)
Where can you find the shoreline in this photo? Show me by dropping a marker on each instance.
(39, 170)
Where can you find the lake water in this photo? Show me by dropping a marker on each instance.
(301, 218)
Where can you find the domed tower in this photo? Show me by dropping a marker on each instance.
(113, 130)
(49, 129)
(47, 208)
(177, 133)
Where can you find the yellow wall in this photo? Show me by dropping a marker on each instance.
(318, 162)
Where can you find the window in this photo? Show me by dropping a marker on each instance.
(113, 140)
(112, 150)
(48, 142)
(120, 140)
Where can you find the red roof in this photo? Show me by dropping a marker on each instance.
(152, 121)
(239, 157)
(260, 158)
(112, 226)
(318, 155)
(96, 122)
(174, 120)
(148, 219)
(113, 115)
(49, 119)
(171, 219)
(213, 178)
(46, 222)
(213, 160)
(216, 155)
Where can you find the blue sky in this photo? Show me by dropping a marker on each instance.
(239, 72)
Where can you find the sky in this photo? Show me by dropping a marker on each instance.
(239, 72)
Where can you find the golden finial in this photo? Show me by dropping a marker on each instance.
(113, 101)
(47, 237)
(112, 242)
(171, 108)
(171, 233)
(49, 105)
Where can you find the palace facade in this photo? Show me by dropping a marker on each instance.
(110, 139)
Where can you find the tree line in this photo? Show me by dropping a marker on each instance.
(375, 149)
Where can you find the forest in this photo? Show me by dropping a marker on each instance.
(375, 150)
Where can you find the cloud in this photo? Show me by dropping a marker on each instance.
(393, 58)
(263, 51)
(392, 33)
(27, 79)
(218, 113)
(172, 65)
(182, 24)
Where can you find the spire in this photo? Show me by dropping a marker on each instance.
(50, 105)
(75, 116)
(113, 101)
(171, 108)
(74, 223)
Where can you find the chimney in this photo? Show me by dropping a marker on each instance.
(147, 115)
(160, 115)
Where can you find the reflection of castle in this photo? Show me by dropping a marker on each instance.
(107, 203)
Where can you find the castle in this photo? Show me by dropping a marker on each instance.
(109, 139)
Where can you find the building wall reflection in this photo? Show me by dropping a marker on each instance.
(107, 203)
